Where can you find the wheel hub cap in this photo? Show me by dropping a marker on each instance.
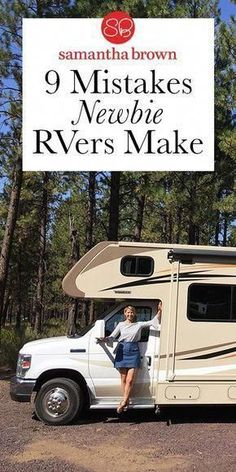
(57, 402)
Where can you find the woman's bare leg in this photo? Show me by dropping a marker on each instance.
(123, 375)
(130, 377)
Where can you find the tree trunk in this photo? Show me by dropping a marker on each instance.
(178, 225)
(141, 198)
(191, 233)
(225, 230)
(192, 229)
(75, 255)
(9, 230)
(217, 229)
(72, 316)
(10, 311)
(87, 311)
(91, 311)
(42, 252)
(90, 211)
(19, 288)
(170, 228)
(139, 218)
(6, 308)
(114, 207)
(87, 308)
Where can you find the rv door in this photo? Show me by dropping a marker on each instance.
(106, 378)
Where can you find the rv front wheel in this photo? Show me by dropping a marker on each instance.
(58, 401)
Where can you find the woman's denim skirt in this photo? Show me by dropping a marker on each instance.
(127, 355)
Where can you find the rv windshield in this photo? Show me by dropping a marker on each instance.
(84, 330)
(87, 328)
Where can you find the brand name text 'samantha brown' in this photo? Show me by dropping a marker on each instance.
(114, 54)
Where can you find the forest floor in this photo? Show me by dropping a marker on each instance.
(184, 439)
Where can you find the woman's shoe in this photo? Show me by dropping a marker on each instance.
(122, 407)
(126, 406)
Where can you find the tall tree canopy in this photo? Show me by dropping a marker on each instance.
(48, 221)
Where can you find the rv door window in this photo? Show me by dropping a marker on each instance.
(144, 313)
(137, 266)
(212, 302)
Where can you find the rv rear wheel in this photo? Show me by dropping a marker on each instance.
(59, 401)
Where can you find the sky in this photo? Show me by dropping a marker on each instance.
(227, 9)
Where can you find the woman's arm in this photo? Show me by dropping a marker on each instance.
(113, 335)
(159, 311)
(155, 322)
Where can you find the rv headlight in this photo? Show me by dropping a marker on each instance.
(23, 364)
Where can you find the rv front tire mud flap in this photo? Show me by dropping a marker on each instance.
(59, 401)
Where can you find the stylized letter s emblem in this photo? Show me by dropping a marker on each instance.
(118, 27)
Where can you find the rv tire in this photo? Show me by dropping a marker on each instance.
(59, 401)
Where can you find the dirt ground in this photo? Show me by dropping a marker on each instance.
(186, 439)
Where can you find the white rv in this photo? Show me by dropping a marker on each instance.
(190, 360)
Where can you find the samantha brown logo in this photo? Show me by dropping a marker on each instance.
(118, 27)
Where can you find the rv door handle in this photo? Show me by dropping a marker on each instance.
(149, 359)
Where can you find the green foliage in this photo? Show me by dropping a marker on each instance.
(11, 343)
(13, 340)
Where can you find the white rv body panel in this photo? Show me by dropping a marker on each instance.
(106, 379)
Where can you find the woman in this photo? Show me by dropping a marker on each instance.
(127, 359)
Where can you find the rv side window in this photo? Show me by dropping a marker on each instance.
(137, 266)
(143, 314)
(212, 302)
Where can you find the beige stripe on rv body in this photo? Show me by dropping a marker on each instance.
(206, 350)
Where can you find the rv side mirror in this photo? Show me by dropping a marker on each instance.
(99, 329)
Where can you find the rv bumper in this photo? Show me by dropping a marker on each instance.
(21, 389)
